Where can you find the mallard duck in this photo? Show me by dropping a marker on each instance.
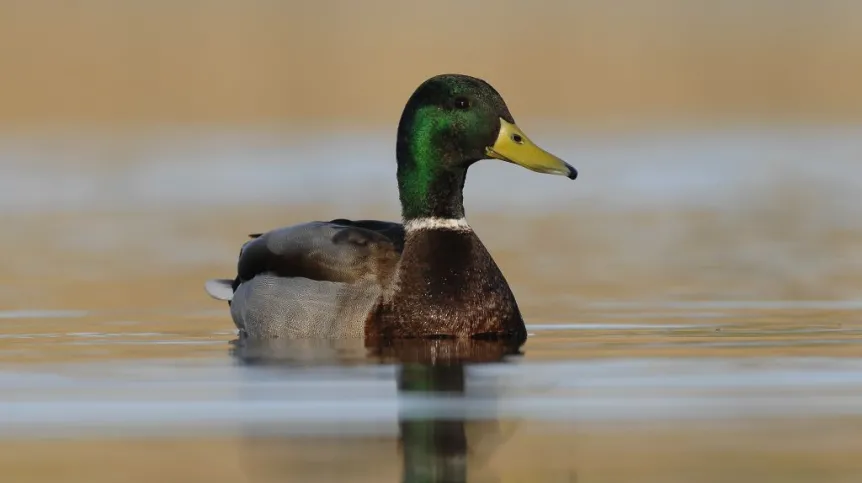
(428, 277)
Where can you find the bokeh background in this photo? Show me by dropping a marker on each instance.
(718, 142)
(353, 64)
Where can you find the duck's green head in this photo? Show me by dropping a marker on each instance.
(450, 122)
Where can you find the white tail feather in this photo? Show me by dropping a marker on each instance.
(220, 288)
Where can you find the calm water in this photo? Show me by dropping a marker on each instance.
(685, 394)
(692, 301)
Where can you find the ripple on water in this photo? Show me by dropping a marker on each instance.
(572, 372)
(169, 398)
(43, 314)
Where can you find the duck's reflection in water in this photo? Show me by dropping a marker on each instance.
(437, 441)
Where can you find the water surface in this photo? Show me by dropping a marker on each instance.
(692, 301)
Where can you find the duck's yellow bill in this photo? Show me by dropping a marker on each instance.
(514, 146)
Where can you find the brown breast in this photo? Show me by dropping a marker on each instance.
(447, 284)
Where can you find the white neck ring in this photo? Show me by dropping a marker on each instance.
(433, 223)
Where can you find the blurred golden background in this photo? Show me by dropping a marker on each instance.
(264, 61)
(716, 141)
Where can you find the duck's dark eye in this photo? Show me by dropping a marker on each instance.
(462, 103)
